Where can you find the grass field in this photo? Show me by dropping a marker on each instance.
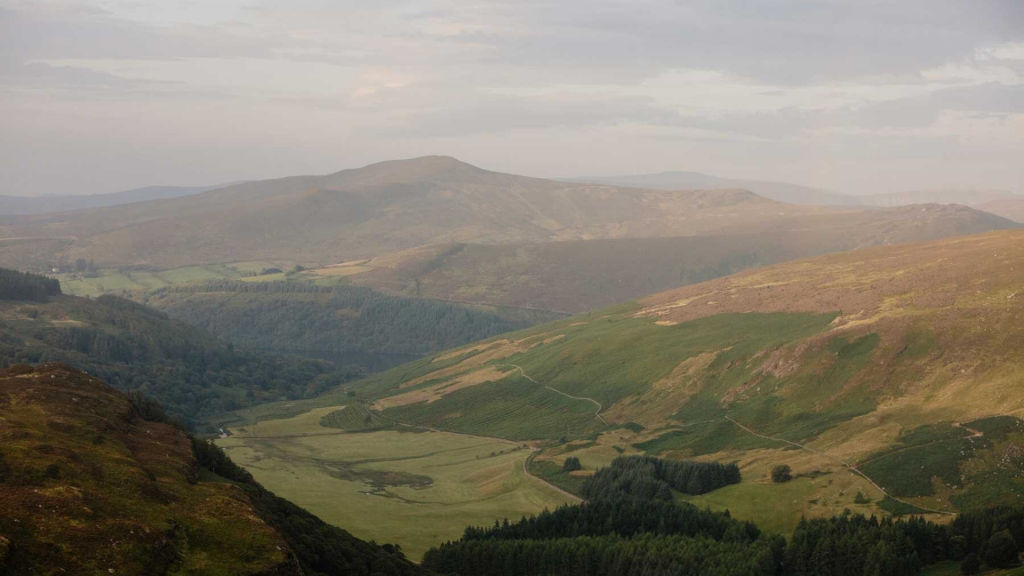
(113, 280)
(416, 489)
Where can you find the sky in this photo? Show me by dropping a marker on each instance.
(858, 96)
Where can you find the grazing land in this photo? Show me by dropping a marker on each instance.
(413, 487)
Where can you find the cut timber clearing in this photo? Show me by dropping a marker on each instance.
(597, 414)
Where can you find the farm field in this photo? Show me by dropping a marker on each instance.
(412, 488)
(113, 281)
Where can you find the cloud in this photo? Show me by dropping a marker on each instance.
(720, 82)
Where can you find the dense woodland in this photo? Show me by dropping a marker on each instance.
(629, 527)
(16, 285)
(653, 478)
(134, 347)
(345, 324)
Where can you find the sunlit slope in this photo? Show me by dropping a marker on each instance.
(910, 348)
(574, 276)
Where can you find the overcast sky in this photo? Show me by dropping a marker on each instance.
(856, 96)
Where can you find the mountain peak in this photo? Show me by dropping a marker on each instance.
(406, 170)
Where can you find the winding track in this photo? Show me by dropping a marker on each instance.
(852, 468)
(597, 413)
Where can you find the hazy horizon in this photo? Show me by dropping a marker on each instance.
(102, 95)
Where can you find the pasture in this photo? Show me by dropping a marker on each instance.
(412, 488)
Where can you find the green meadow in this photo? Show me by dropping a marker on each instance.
(413, 488)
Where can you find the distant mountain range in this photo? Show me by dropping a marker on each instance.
(999, 202)
(20, 205)
(393, 206)
(683, 180)
(579, 275)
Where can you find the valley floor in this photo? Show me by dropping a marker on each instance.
(411, 487)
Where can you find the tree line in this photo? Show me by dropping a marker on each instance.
(16, 285)
(134, 347)
(655, 478)
(340, 323)
(627, 525)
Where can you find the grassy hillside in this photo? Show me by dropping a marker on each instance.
(575, 276)
(887, 378)
(137, 348)
(92, 482)
(415, 487)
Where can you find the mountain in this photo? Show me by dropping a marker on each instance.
(966, 197)
(1009, 208)
(999, 202)
(389, 207)
(137, 348)
(21, 205)
(368, 211)
(94, 482)
(682, 180)
(578, 275)
(887, 378)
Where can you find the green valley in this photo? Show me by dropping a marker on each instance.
(885, 384)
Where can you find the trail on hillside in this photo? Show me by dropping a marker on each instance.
(597, 414)
(974, 433)
(852, 468)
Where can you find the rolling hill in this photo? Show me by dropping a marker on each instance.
(134, 347)
(1009, 208)
(888, 378)
(683, 180)
(20, 205)
(574, 276)
(382, 207)
(349, 325)
(387, 207)
(92, 482)
(999, 202)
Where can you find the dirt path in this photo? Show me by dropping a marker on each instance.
(597, 414)
(853, 469)
(974, 433)
(526, 470)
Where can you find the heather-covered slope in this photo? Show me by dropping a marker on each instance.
(92, 481)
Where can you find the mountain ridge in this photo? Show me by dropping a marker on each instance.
(382, 207)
